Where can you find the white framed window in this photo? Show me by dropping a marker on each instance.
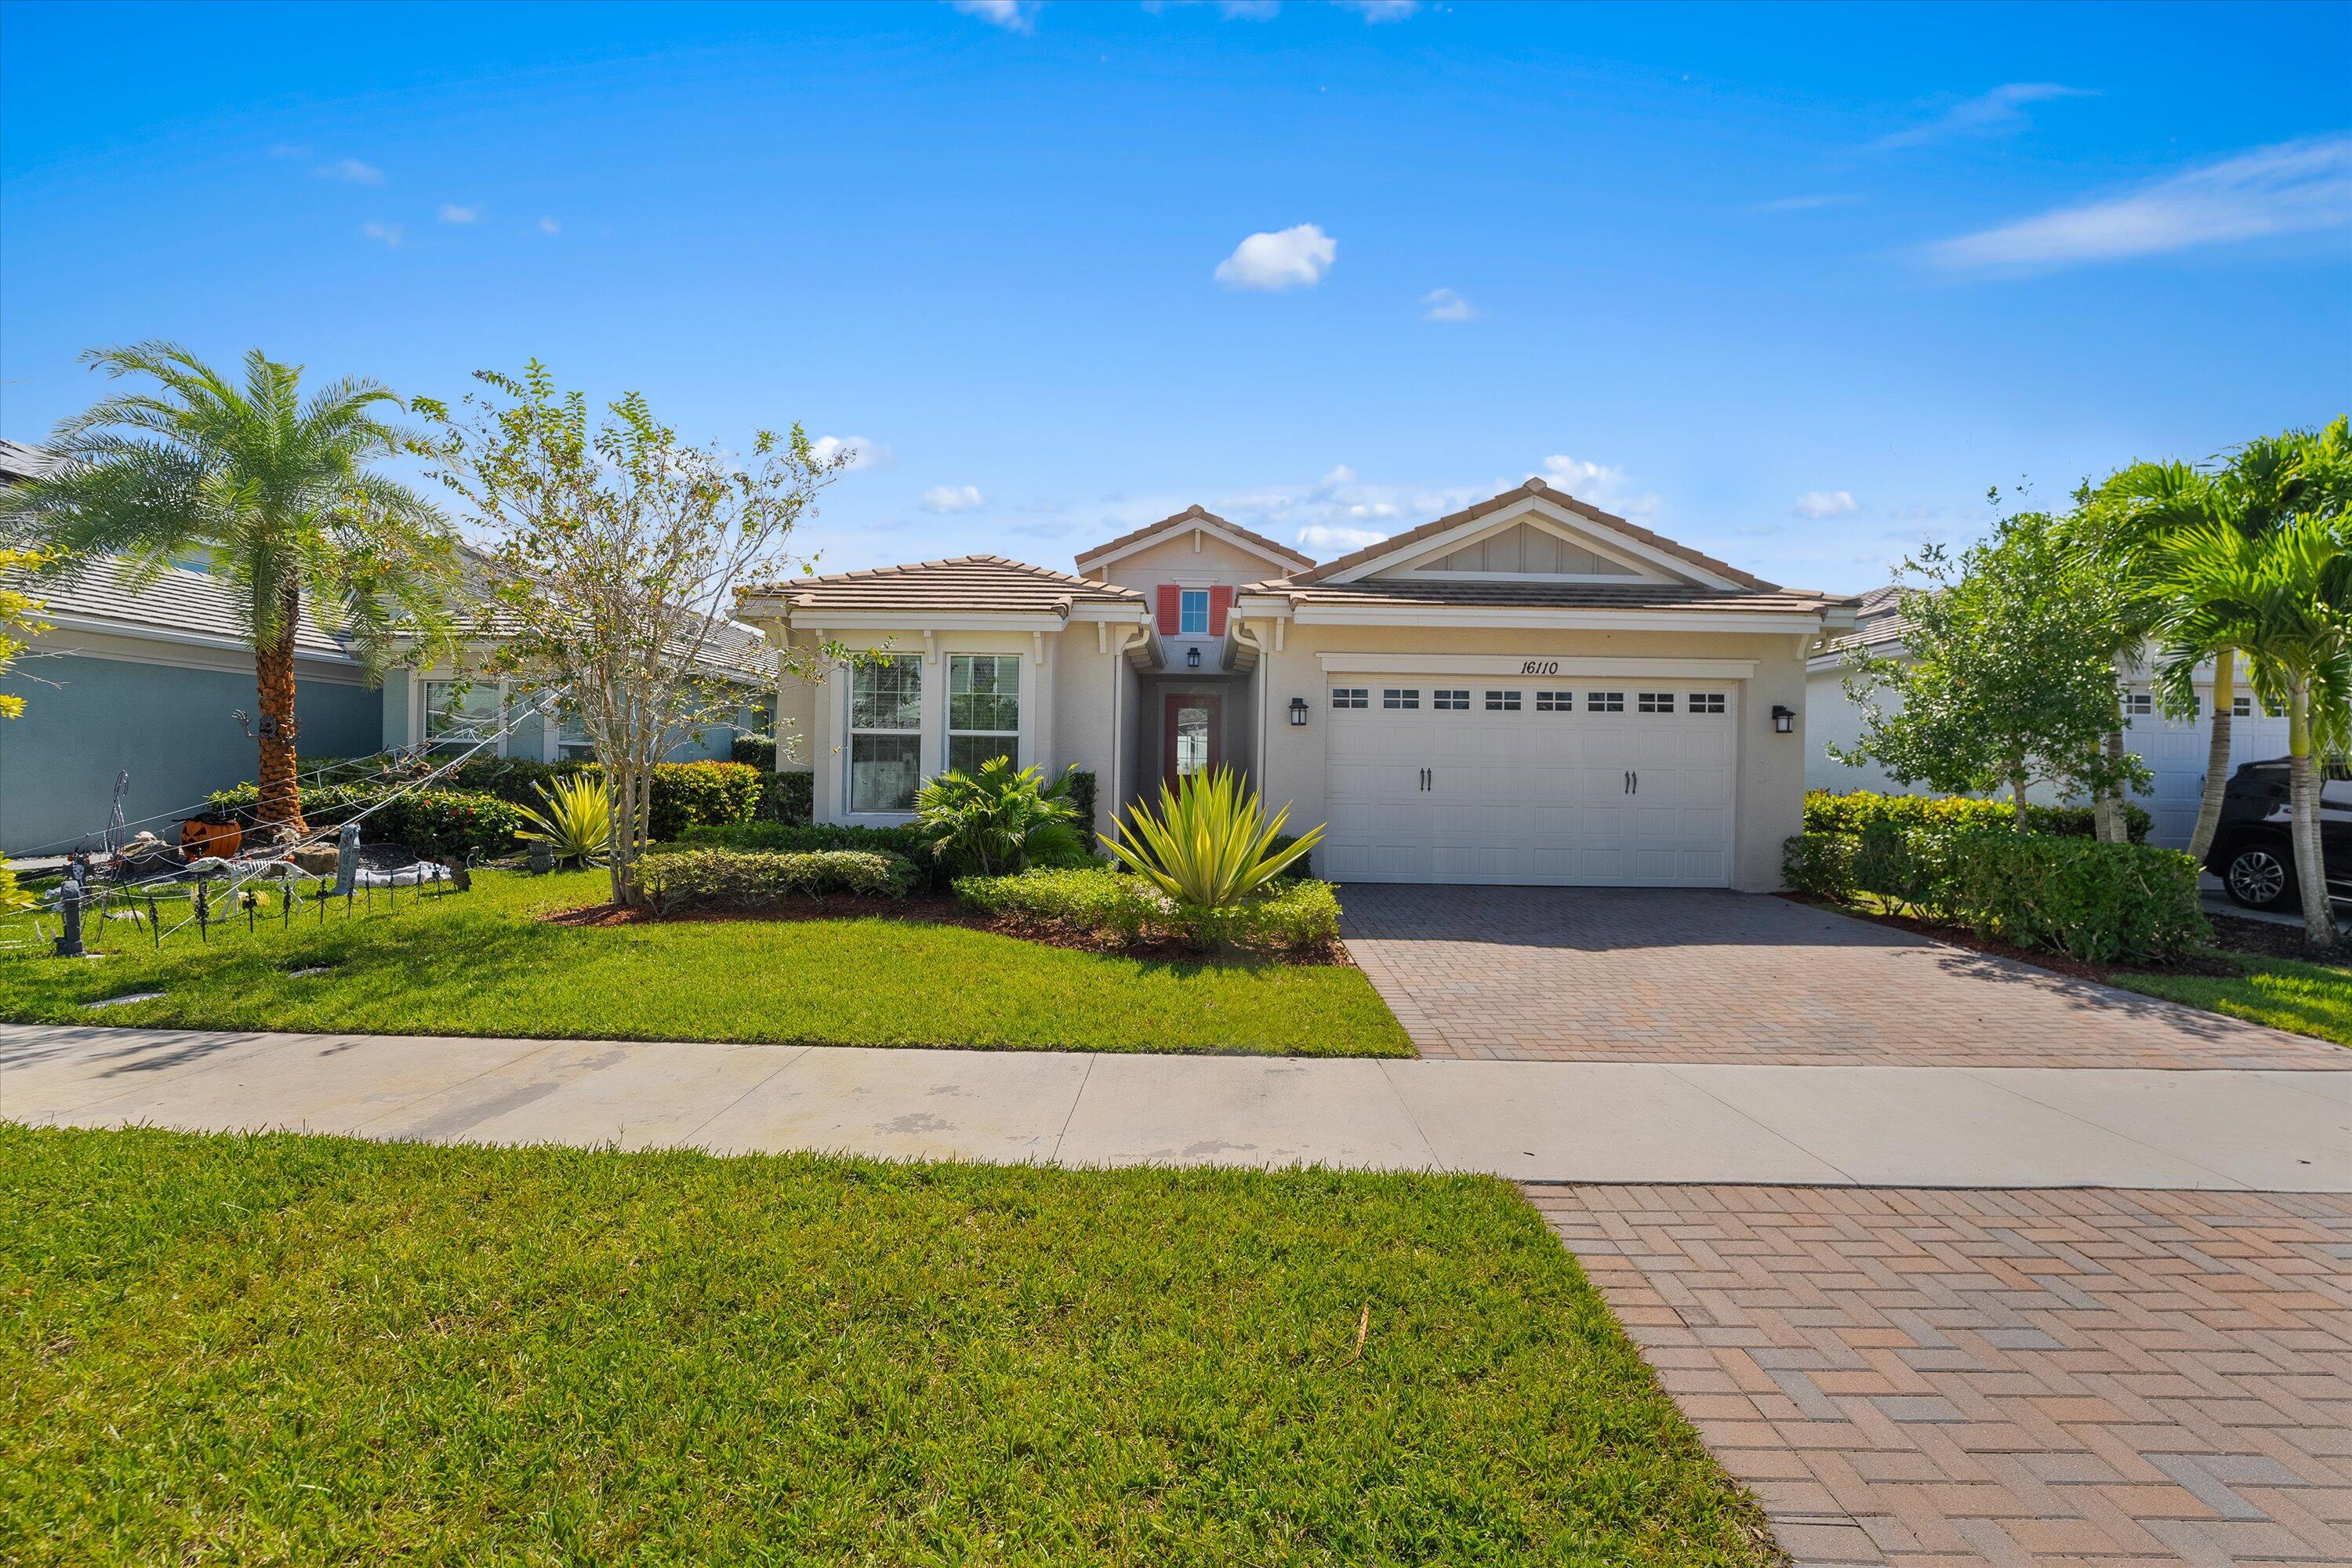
(1555, 701)
(983, 708)
(1502, 702)
(1706, 701)
(1604, 702)
(1450, 698)
(2241, 706)
(1401, 697)
(1193, 612)
(457, 716)
(2140, 704)
(1657, 703)
(1351, 697)
(886, 733)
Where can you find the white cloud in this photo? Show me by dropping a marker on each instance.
(952, 498)
(548, 225)
(2002, 110)
(1320, 539)
(1382, 10)
(1800, 204)
(1598, 484)
(1819, 504)
(352, 170)
(863, 453)
(386, 233)
(2293, 189)
(1293, 257)
(1445, 305)
(1013, 15)
(451, 212)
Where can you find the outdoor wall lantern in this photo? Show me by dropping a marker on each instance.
(1297, 713)
(1784, 719)
(1193, 657)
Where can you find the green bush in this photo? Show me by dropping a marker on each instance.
(2099, 902)
(801, 836)
(754, 752)
(702, 795)
(1299, 870)
(739, 879)
(998, 819)
(1082, 795)
(447, 825)
(788, 797)
(1854, 811)
(1295, 917)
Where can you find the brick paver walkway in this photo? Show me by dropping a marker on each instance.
(1925, 1377)
(1669, 974)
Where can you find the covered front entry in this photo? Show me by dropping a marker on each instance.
(1624, 782)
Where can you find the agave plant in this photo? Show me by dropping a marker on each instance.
(998, 820)
(1209, 844)
(575, 820)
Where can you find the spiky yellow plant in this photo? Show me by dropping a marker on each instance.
(1209, 844)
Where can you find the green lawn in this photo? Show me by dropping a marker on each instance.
(310, 1350)
(2305, 998)
(479, 964)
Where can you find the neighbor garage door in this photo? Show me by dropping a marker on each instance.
(1620, 783)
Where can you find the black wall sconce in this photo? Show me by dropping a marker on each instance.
(1193, 657)
(1297, 713)
(1784, 719)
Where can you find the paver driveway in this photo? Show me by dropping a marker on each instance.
(1680, 975)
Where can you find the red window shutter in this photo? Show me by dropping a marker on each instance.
(1170, 607)
(1221, 599)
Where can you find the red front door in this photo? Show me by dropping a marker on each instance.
(1192, 733)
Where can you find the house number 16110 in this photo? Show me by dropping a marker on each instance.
(1541, 666)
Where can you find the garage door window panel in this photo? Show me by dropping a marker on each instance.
(1350, 697)
(1502, 702)
(1604, 702)
(1399, 698)
(1450, 699)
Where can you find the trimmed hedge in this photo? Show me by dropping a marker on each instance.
(685, 794)
(1082, 795)
(743, 879)
(443, 824)
(754, 752)
(1857, 810)
(2102, 903)
(1298, 917)
(789, 796)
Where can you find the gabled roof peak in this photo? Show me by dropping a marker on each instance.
(1281, 554)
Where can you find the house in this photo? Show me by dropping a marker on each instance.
(2174, 749)
(1530, 690)
(146, 678)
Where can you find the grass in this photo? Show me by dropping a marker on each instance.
(2286, 993)
(288, 1349)
(480, 963)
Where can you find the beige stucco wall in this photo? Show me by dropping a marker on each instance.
(1770, 768)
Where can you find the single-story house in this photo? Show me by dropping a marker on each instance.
(2174, 749)
(1530, 690)
(144, 679)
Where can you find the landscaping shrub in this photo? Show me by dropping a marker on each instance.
(1299, 870)
(701, 795)
(449, 825)
(1082, 797)
(1209, 844)
(735, 879)
(789, 796)
(2097, 903)
(1295, 917)
(754, 752)
(998, 819)
(1856, 810)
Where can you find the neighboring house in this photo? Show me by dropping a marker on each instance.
(143, 680)
(1530, 690)
(2174, 749)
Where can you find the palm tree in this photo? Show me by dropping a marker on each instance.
(2264, 484)
(276, 487)
(2284, 600)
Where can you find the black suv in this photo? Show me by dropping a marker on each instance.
(2251, 853)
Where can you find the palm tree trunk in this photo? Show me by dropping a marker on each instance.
(279, 812)
(2302, 808)
(2217, 751)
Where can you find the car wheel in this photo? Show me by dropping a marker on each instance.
(2256, 877)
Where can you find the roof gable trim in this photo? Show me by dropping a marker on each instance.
(1655, 564)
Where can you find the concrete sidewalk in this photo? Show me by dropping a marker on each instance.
(1540, 1122)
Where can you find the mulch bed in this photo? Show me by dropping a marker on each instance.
(938, 909)
(2256, 938)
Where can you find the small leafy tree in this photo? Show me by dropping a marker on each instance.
(999, 820)
(2008, 677)
(20, 619)
(614, 549)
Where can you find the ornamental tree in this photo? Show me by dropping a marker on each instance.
(611, 550)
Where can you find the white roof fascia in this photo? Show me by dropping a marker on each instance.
(1177, 529)
(1575, 523)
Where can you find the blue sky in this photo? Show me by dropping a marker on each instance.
(1794, 286)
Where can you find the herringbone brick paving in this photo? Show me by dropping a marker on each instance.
(1686, 975)
(1925, 1378)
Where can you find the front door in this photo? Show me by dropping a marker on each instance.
(1191, 734)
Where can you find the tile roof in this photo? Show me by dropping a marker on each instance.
(101, 593)
(1558, 498)
(18, 462)
(1878, 622)
(1197, 514)
(1392, 591)
(967, 583)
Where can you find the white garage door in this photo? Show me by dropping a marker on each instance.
(2175, 751)
(1619, 783)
